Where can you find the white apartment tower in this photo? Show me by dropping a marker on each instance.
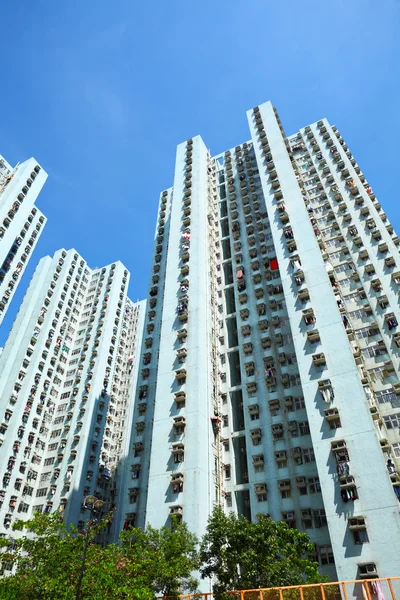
(66, 373)
(269, 376)
(21, 223)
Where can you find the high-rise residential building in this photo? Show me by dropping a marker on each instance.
(66, 373)
(21, 223)
(269, 376)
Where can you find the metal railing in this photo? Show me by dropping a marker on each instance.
(383, 588)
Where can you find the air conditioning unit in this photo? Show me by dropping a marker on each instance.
(368, 570)
(280, 454)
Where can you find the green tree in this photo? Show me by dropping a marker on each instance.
(47, 565)
(48, 560)
(171, 553)
(239, 554)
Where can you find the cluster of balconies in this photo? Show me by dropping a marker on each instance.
(14, 251)
(15, 206)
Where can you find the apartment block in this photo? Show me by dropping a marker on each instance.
(269, 375)
(66, 373)
(21, 223)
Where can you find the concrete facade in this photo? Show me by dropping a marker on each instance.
(21, 223)
(65, 377)
(269, 366)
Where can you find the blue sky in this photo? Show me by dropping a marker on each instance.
(102, 92)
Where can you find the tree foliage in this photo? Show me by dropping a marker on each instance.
(239, 554)
(235, 553)
(174, 557)
(47, 565)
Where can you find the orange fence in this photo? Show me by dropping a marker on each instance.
(385, 588)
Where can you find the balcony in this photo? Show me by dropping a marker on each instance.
(251, 387)
(284, 217)
(303, 295)
(179, 422)
(182, 334)
(284, 485)
(313, 336)
(319, 359)
(180, 399)
(176, 510)
(266, 343)
(385, 445)
(291, 245)
(246, 330)
(390, 262)
(177, 448)
(181, 354)
(180, 375)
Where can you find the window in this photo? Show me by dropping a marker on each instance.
(133, 494)
(291, 358)
(334, 242)
(41, 492)
(319, 518)
(360, 537)
(23, 507)
(286, 493)
(55, 433)
(59, 420)
(325, 554)
(392, 421)
(377, 373)
(68, 383)
(52, 447)
(346, 282)
(227, 469)
(228, 499)
(362, 333)
(259, 468)
(308, 455)
(396, 449)
(342, 268)
(304, 428)
(385, 396)
(49, 461)
(65, 395)
(262, 497)
(372, 351)
(314, 486)
(334, 255)
(360, 313)
(295, 379)
(299, 403)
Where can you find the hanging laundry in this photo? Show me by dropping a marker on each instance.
(274, 264)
